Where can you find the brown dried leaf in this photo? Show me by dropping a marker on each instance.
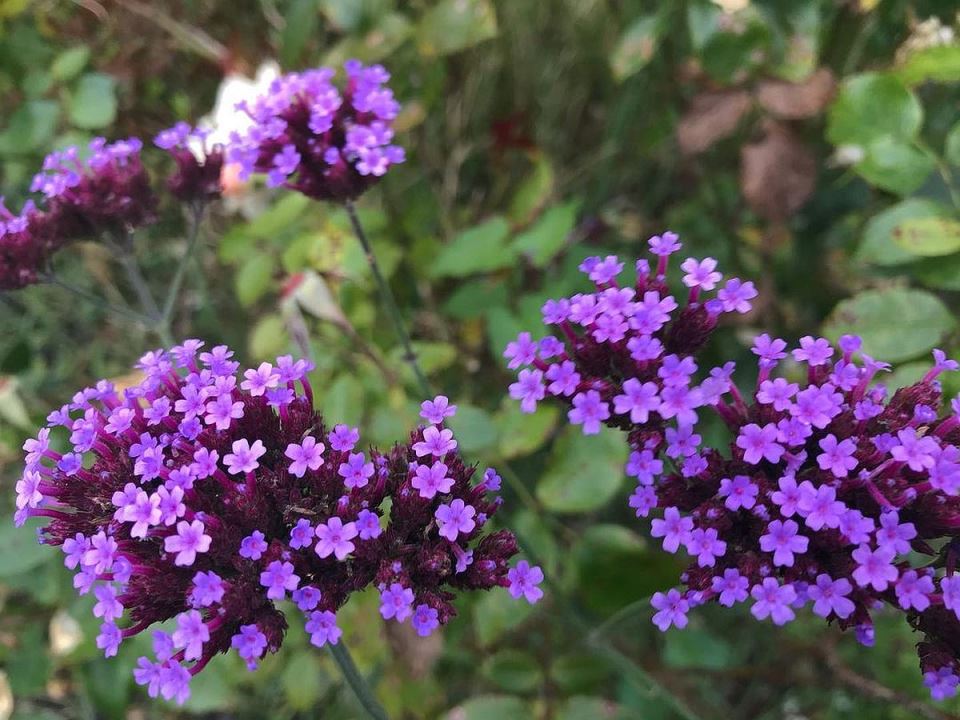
(711, 116)
(794, 101)
(777, 173)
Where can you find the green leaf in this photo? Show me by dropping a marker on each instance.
(728, 56)
(951, 147)
(579, 672)
(474, 428)
(276, 223)
(454, 25)
(522, 433)
(513, 670)
(895, 165)
(31, 127)
(928, 237)
(21, 551)
(871, 106)
(697, 648)
(542, 242)
(215, 688)
(491, 707)
(896, 324)
(299, 680)
(879, 246)
(496, 613)
(589, 708)
(302, 18)
(534, 192)
(938, 63)
(478, 249)
(343, 400)
(108, 693)
(941, 273)
(585, 471)
(268, 337)
(473, 298)
(68, 64)
(254, 278)
(636, 47)
(93, 103)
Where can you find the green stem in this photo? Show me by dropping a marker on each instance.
(356, 681)
(192, 242)
(386, 296)
(140, 286)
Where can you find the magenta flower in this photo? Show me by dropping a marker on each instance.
(524, 580)
(305, 455)
(773, 600)
(782, 539)
(432, 479)
(189, 540)
(396, 602)
(455, 518)
(759, 443)
(672, 610)
(874, 567)
(589, 410)
(830, 596)
(334, 538)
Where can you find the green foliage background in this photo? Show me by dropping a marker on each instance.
(810, 145)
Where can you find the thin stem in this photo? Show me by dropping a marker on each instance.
(192, 241)
(140, 286)
(126, 313)
(386, 295)
(357, 682)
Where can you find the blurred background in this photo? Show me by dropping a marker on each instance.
(810, 145)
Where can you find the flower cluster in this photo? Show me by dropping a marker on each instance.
(197, 177)
(310, 136)
(104, 192)
(833, 494)
(203, 496)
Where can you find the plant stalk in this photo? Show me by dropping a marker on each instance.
(356, 681)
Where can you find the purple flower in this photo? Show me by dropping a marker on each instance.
(759, 443)
(874, 567)
(425, 620)
(637, 400)
(814, 351)
(522, 351)
(437, 442)
(396, 602)
(208, 589)
(368, 525)
(783, 540)
(437, 410)
(524, 579)
(830, 596)
(343, 438)
(249, 643)
(672, 609)
(732, 587)
(564, 378)
(432, 479)
(528, 389)
(322, 627)
(356, 472)
(942, 682)
(917, 452)
(769, 349)
(305, 455)
(894, 534)
(455, 518)
(706, 546)
(700, 274)
(773, 600)
(674, 529)
(777, 393)
(191, 634)
(739, 492)
(109, 639)
(253, 546)
(914, 590)
(244, 457)
(107, 605)
(665, 244)
(189, 540)
(820, 508)
(306, 598)
(278, 578)
(837, 457)
(334, 538)
(589, 410)
(736, 296)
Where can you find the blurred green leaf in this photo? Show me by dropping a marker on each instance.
(215, 688)
(495, 613)
(478, 249)
(21, 551)
(542, 242)
(584, 472)
(273, 224)
(534, 191)
(31, 127)
(93, 102)
(254, 278)
(938, 63)
(491, 707)
(579, 672)
(108, 693)
(896, 323)
(951, 148)
(472, 298)
(453, 25)
(942, 273)
(697, 648)
(302, 19)
(590, 708)
(512, 670)
(300, 684)
(871, 106)
(28, 673)
(522, 433)
(879, 244)
(268, 337)
(635, 47)
(928, 237)
(895, 165)
(342, 400)
(730, 56)
(474, 428)
(68, 64)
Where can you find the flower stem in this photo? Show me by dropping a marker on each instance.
(149, 305)
(192, 241)
(386, 295)
(98, 301)
(356, 681)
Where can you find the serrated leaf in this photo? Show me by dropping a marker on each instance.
(93, 102)
(454, 25)
(896, 324)
(928, 237)
(872, 106)
(585, 471)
